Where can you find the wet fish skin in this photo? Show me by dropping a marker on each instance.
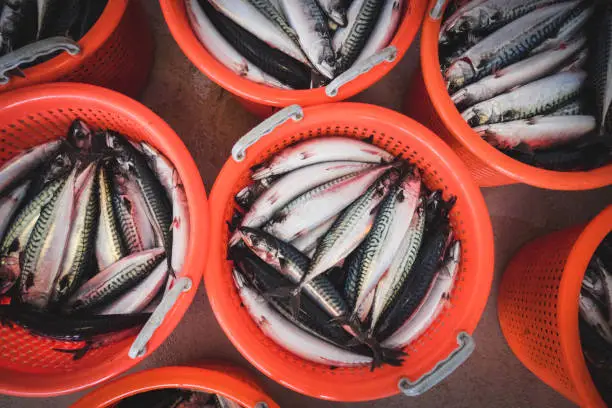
(602, 69)
(536, 98)
(383, 31)
(221, 49)
(454, 17)
(507, 45)
(593, 316)
(114, 280)
(390, 225)
(308, 242)
(390, 285)
(80, 245)
(352, 226)
(319, 150)
(315, 206)
(537, 133)
(46, 247)
(576, 107)
(290, 337)
(359, 34)
(418, 282)
(572, 28)
(606, 278)
(273, 13)
(437, 297)
(342, 32)
(308, 20)
(335, 10)
(26, 161)
(273, 62)
(109, 246)
(520, 73)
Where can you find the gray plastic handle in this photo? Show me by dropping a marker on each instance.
(294, 112)
(29, 53)
(139, 346)
(385, 55)
(436, 11)
(442, 370)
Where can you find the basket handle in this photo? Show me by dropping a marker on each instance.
(436, 11)
(294, 112)
(386, 54)
(442, 370)
(30, 52)
(139, 346)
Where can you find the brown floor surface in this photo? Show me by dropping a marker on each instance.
(209, 120)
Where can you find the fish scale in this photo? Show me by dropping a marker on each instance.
(359, 34)
(115, 280)
(274, 15)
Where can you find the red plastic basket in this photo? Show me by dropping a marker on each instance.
(116, 53)
(442, 170)
(253, 95)
(428, 102)
(227, 380)
(538, 307)
(33, 115)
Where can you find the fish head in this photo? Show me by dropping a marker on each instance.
(9, 271)
(458, 74)
(326, 60)
(80, 135)
(257, 243)
(478, 115)
(337, 13)
(59, 166)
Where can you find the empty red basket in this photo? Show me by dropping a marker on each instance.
(447, 343)
(538, 307)
(28, 365)
(223, 379)
(116, 53)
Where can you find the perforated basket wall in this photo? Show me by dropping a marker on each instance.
(116, 53)
(469, 218)
(28, 364)
(538, 307)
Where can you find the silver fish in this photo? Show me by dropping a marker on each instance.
(140, 296)
(309, 22)
(577, 63)
(246, 15)
(292, 185)
(384, 30)
(488, 15)
(594, 284)
(390, 226)
(573, 27)
(390, 285)
(80, 245)
(227, 55)
(536, 98)
(46, 246)
(115, 280)
(335, 10)
(602, 71)
(508, 44)
(434, 302)
(359, 34)
(9, 203)
(26, 161)
(454, 20)
(537, 133)
(352, 226)
(342, 33)
(321, 203)
(133, 216)
(606, 278)
(273, 13)
(109, 244)
(181, 228)
(308, 242)
(593, 316)
(319, 150)
(517, 74)
(289, 336)
(573, 108)
(223, 402)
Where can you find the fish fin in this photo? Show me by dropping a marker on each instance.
(524, 148)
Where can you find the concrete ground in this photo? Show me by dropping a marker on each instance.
(209, 120)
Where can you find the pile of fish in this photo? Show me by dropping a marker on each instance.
(596, 318)
(24, 22)
(293, 44)
(176, 398)
(517, 70)
(356, 231)
(93, 230)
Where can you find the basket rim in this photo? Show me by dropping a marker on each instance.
(213, 378)
(176, 18)
(64, 63)
(573, 273)
(174, 149)
(380, 385)
(452, 120)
